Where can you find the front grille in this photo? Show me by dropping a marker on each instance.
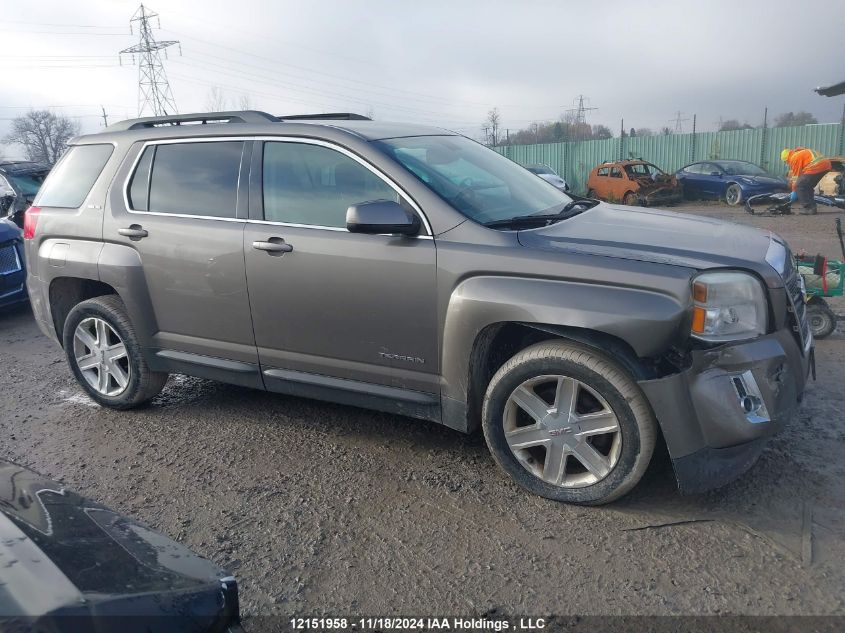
(797, 308)
(9, 260)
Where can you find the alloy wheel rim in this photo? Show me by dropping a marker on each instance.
(562, 431)
(101, 356)
(733, 195)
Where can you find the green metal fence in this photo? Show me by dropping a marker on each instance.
(574, 160)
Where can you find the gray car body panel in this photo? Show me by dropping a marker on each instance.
(392, 322)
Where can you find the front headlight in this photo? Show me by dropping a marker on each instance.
(728, 306)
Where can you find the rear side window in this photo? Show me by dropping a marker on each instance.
(72, 178)
(188, 178)
(602, 171)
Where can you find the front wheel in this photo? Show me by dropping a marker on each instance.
(733, 195)
(631, 199)
(568, 423)
(822, 318)
(105, 357)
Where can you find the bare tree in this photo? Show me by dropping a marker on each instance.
(644, 131)
(793, 119)
(42, 134)
(601, 132)
(491, 126)
(216, 100)
(245, 102)
(733, 124)
(666, 130)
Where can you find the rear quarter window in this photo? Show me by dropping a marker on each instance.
(71, 180)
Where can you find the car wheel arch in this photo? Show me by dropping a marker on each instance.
(498, 342)
(67, 292)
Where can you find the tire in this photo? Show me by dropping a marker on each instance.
(733, 195)
(631, 199)
(822, 318)
(99, 328)
(608, 387)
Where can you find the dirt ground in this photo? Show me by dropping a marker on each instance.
(319, 508)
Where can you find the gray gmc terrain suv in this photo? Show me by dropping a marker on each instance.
(408, 269)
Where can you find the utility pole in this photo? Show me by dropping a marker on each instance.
(105, 117)
(679, 122)
(154, 93)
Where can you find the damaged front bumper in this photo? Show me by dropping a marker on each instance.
(717, 414)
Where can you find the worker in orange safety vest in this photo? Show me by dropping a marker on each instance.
(806, 169)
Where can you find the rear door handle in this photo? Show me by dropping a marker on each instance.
(135, 231)
(273, 246)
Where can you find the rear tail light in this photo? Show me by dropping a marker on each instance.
(30, 222)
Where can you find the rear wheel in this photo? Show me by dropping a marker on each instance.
(822, 318)
(569, 424)
(631, 199)
(733, 195)
(105, 357)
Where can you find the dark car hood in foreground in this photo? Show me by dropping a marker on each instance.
(657, 236)
(63, 556)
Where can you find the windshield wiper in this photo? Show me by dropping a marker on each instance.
(570, 209)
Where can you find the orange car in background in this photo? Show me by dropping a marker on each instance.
(633, 182)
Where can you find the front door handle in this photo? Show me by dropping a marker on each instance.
(135, 232)
(273, 246)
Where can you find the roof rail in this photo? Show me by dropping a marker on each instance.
(330, 116)
(202, 118)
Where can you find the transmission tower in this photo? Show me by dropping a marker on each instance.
(581, 110)
(154, 93)
(679, 122)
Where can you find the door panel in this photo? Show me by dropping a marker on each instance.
(361, 307)
(192, 253)
(352, 306)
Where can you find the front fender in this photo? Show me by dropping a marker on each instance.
(647, 320)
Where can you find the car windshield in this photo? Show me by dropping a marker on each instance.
(740, 168)
(29, 184)
(642, 169)
(480, 183)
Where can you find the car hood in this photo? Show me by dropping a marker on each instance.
(658, 236)
(555, 180)
(60, 551)
(763, 180)
(8, 230)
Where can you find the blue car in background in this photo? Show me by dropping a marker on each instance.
(12, 267)
(733, 181)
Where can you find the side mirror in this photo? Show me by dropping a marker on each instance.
(718, 174)
(381, 216)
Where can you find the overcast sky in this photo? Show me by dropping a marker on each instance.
(445, 62)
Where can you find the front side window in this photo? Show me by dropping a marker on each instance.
(72, 178)
(188, 178)
(315, 185)
(480, 183)
(616, 173)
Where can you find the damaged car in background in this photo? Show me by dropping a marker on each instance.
(19, 182)
(634, 183)
(733, 181)
(69, 564)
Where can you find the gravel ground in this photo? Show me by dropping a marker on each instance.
(319, 508)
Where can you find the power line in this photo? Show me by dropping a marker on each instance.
(154, 93)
